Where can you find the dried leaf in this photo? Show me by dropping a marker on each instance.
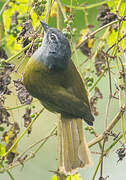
(121, 153)
(9, 137)
(100, 62)
(93, 100)
(27, 119)
(26, 35)
(3, 54)
(105, 16)
(22, 94)
(27, 30)
(88, 44)
(5, 79)
(4, 114)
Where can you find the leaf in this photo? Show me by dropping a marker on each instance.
(54, 10)
(2, 150)
(74, 177)
(21, 8)
(54, 177)
(24, 10)
(113, 37)
(87, 46)
(70, 177)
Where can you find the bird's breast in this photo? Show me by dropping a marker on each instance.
(41, 81)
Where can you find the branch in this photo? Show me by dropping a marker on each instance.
(93, 33)
(109, 127)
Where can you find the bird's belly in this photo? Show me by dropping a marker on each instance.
(40, 84)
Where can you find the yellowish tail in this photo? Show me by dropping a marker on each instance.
(73, 152)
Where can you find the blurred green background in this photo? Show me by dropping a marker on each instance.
(38, 168)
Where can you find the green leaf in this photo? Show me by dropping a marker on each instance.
(54, 177)
(70, 177)
(74, 177)
(114, 36)
(2, 150)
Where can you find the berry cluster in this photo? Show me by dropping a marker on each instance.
(89, 81)
(13, 26)
(105, 16)
(39, 6)
(69, 30)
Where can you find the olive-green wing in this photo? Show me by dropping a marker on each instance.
(74, 83)
(60, 100)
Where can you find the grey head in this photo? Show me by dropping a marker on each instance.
(55, 50)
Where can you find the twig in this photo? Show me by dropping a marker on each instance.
(123, 72)
(113, 144)
(120, 99)
(48, 9)
(115, 43)
(88, 6)
(18, 53)
(62, 10)
(10, 175)
(59, 17)
(4, 7)
(22, 135)
(119, 4)
(107, 111)
(110, 95)
(8, 172)
(50, 134)
(96, 170)
(95, 32)
(109, 127)
(18, 107)
(105, 153)
(17, 163)
(96, 82)
(102, 156)
(43, 139)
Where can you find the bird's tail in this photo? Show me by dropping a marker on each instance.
(73, 152)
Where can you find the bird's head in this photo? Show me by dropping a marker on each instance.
(56, 46)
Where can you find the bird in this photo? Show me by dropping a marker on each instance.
(52, 78)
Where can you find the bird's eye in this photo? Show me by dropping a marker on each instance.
(53, 37)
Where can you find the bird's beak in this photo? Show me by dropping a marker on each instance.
(44, 25)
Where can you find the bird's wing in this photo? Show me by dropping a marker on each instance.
(60, 100)
(74, 83)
